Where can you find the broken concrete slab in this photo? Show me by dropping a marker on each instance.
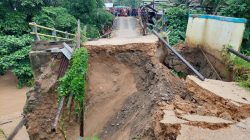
(206, 119)
(170, 118)
(227, 90)
(232, 132)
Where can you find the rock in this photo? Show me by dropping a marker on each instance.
(226, 116)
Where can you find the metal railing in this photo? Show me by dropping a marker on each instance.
(35, 29)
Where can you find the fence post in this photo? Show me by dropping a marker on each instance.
(34, 28)
(67, 35)
(78, 35)
(54, 34)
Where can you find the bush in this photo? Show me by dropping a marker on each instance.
(92, 31)
(14, 56)
(14, 23)
(177, 22)
(10, 44)
(240, 9)
(241, 72)
(103, 18)
(74, 79)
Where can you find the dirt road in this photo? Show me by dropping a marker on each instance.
(12, 101)
(126, 30)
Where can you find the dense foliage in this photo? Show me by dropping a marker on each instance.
(59, 14)
(242, 72)
(74, 79)
(56, 17)
(177, 18)
(177, 23)
(14, 56)
(91, 13)
(241, 9)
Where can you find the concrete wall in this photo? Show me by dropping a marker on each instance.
(212, 33)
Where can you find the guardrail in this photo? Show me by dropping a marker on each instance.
(35, 27)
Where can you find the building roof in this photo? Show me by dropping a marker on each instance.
(109, 5)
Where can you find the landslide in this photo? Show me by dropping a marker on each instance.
(125, 83)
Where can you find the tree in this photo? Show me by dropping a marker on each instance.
(240, 9)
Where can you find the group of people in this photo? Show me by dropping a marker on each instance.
(124, 11)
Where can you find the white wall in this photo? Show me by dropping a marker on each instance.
(212, 33)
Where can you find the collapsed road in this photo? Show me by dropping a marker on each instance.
(132, 94)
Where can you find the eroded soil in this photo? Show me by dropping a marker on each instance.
(132, 95)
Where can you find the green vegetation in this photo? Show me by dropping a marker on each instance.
(74, 79)
(177, 22)
(14, 56)
(15, 41)
(232, 8)
(56, 17)
(241, 72)
(93, 138)
(240, 67)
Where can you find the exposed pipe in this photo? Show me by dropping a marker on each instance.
(17, 129)
(201, 77)
(247, 58)
(62, 69)
(58, 114)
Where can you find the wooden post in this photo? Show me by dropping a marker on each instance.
(78, 35)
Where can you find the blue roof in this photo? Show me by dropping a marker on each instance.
(221, 18)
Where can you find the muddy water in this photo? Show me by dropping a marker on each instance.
(12, 101)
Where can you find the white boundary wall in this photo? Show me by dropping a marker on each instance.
(213, 33)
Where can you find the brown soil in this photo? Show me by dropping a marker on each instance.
(141, 78)
(132, 95)
(41, 106)
(110, 84)
(207, 65)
